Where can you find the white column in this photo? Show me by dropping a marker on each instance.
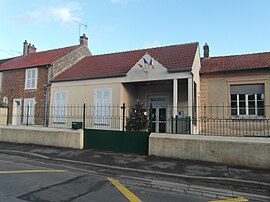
(175, 96)
(190, 96)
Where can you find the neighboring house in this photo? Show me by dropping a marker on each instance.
(25, 80)
(2, 61)
(235, 94)
(167, 77)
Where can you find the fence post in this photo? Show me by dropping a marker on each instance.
(172, 131)
(124, 114)
(84, 108)
(7, 115)
(176, 128)
(27, 115)
(151, 118)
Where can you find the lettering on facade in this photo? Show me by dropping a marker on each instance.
(158, 99)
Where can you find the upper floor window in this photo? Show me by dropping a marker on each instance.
(247, 100)
(31, 78)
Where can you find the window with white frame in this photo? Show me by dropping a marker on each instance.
(247, 100)
(29, 110)
(31, 76)
(102, 106)
(60, 107)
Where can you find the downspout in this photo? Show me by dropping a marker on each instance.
(46, 95)
(192, 101)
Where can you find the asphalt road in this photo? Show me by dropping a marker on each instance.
(29, 179)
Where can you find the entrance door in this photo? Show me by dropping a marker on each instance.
(159, 113)
(16, 112)
(159, 119)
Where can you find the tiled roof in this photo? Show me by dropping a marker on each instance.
(37, 59)
(235, 62)
(5, 60)
(176, 57)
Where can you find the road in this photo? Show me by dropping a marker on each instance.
(33, 179)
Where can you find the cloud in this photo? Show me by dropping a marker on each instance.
(152, 44)
(63, 15)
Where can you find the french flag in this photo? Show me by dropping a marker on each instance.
(152, 64)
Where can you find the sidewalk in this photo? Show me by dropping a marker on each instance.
(185, 169)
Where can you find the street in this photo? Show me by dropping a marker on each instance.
(28, 179)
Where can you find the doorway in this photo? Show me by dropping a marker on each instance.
(159, 113)
(16, 111)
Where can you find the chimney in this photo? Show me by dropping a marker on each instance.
(25, 48)
(83, 40)
(31, 48)
(206, 51)
(28, 48)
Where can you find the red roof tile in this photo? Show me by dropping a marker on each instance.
(116, 64)
(235, 62)
(37, 59)
(5, 60)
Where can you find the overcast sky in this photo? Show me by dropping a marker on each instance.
(229, 26)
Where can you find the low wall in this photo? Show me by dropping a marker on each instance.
(238, 151)
(42, 136)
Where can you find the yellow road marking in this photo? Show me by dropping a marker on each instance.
(31, 171)
(131, 197)
(238, 199)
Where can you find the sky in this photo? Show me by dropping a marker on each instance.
(229, 26)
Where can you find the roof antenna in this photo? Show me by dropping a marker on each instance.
(80, 24)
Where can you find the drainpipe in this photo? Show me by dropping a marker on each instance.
(192, 101)
(46, 95)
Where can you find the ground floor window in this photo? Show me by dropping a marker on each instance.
(29, 111)
(247, 100)
(102, 106)
(60, 107)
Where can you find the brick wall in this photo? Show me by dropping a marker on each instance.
(13, 88)
(69, 60)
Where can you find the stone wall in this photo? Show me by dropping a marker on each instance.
(42, 136)
(69, 60)
(236, 151)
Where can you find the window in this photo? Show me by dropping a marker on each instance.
(29, 111)
(102, 106)
(31, 78)
(60, 107)
(247, 100)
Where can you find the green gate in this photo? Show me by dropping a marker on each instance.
(118, 141)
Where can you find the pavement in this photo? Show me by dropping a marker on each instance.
(187, 170)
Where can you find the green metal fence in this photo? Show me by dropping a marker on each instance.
(117, 141)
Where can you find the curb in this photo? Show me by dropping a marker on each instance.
(238, 182)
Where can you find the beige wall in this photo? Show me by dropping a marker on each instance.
(215, 90)
(137, 74)
(227, 150)
(80, 92)
(215, 95)
(3, 116)
(42, 136)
